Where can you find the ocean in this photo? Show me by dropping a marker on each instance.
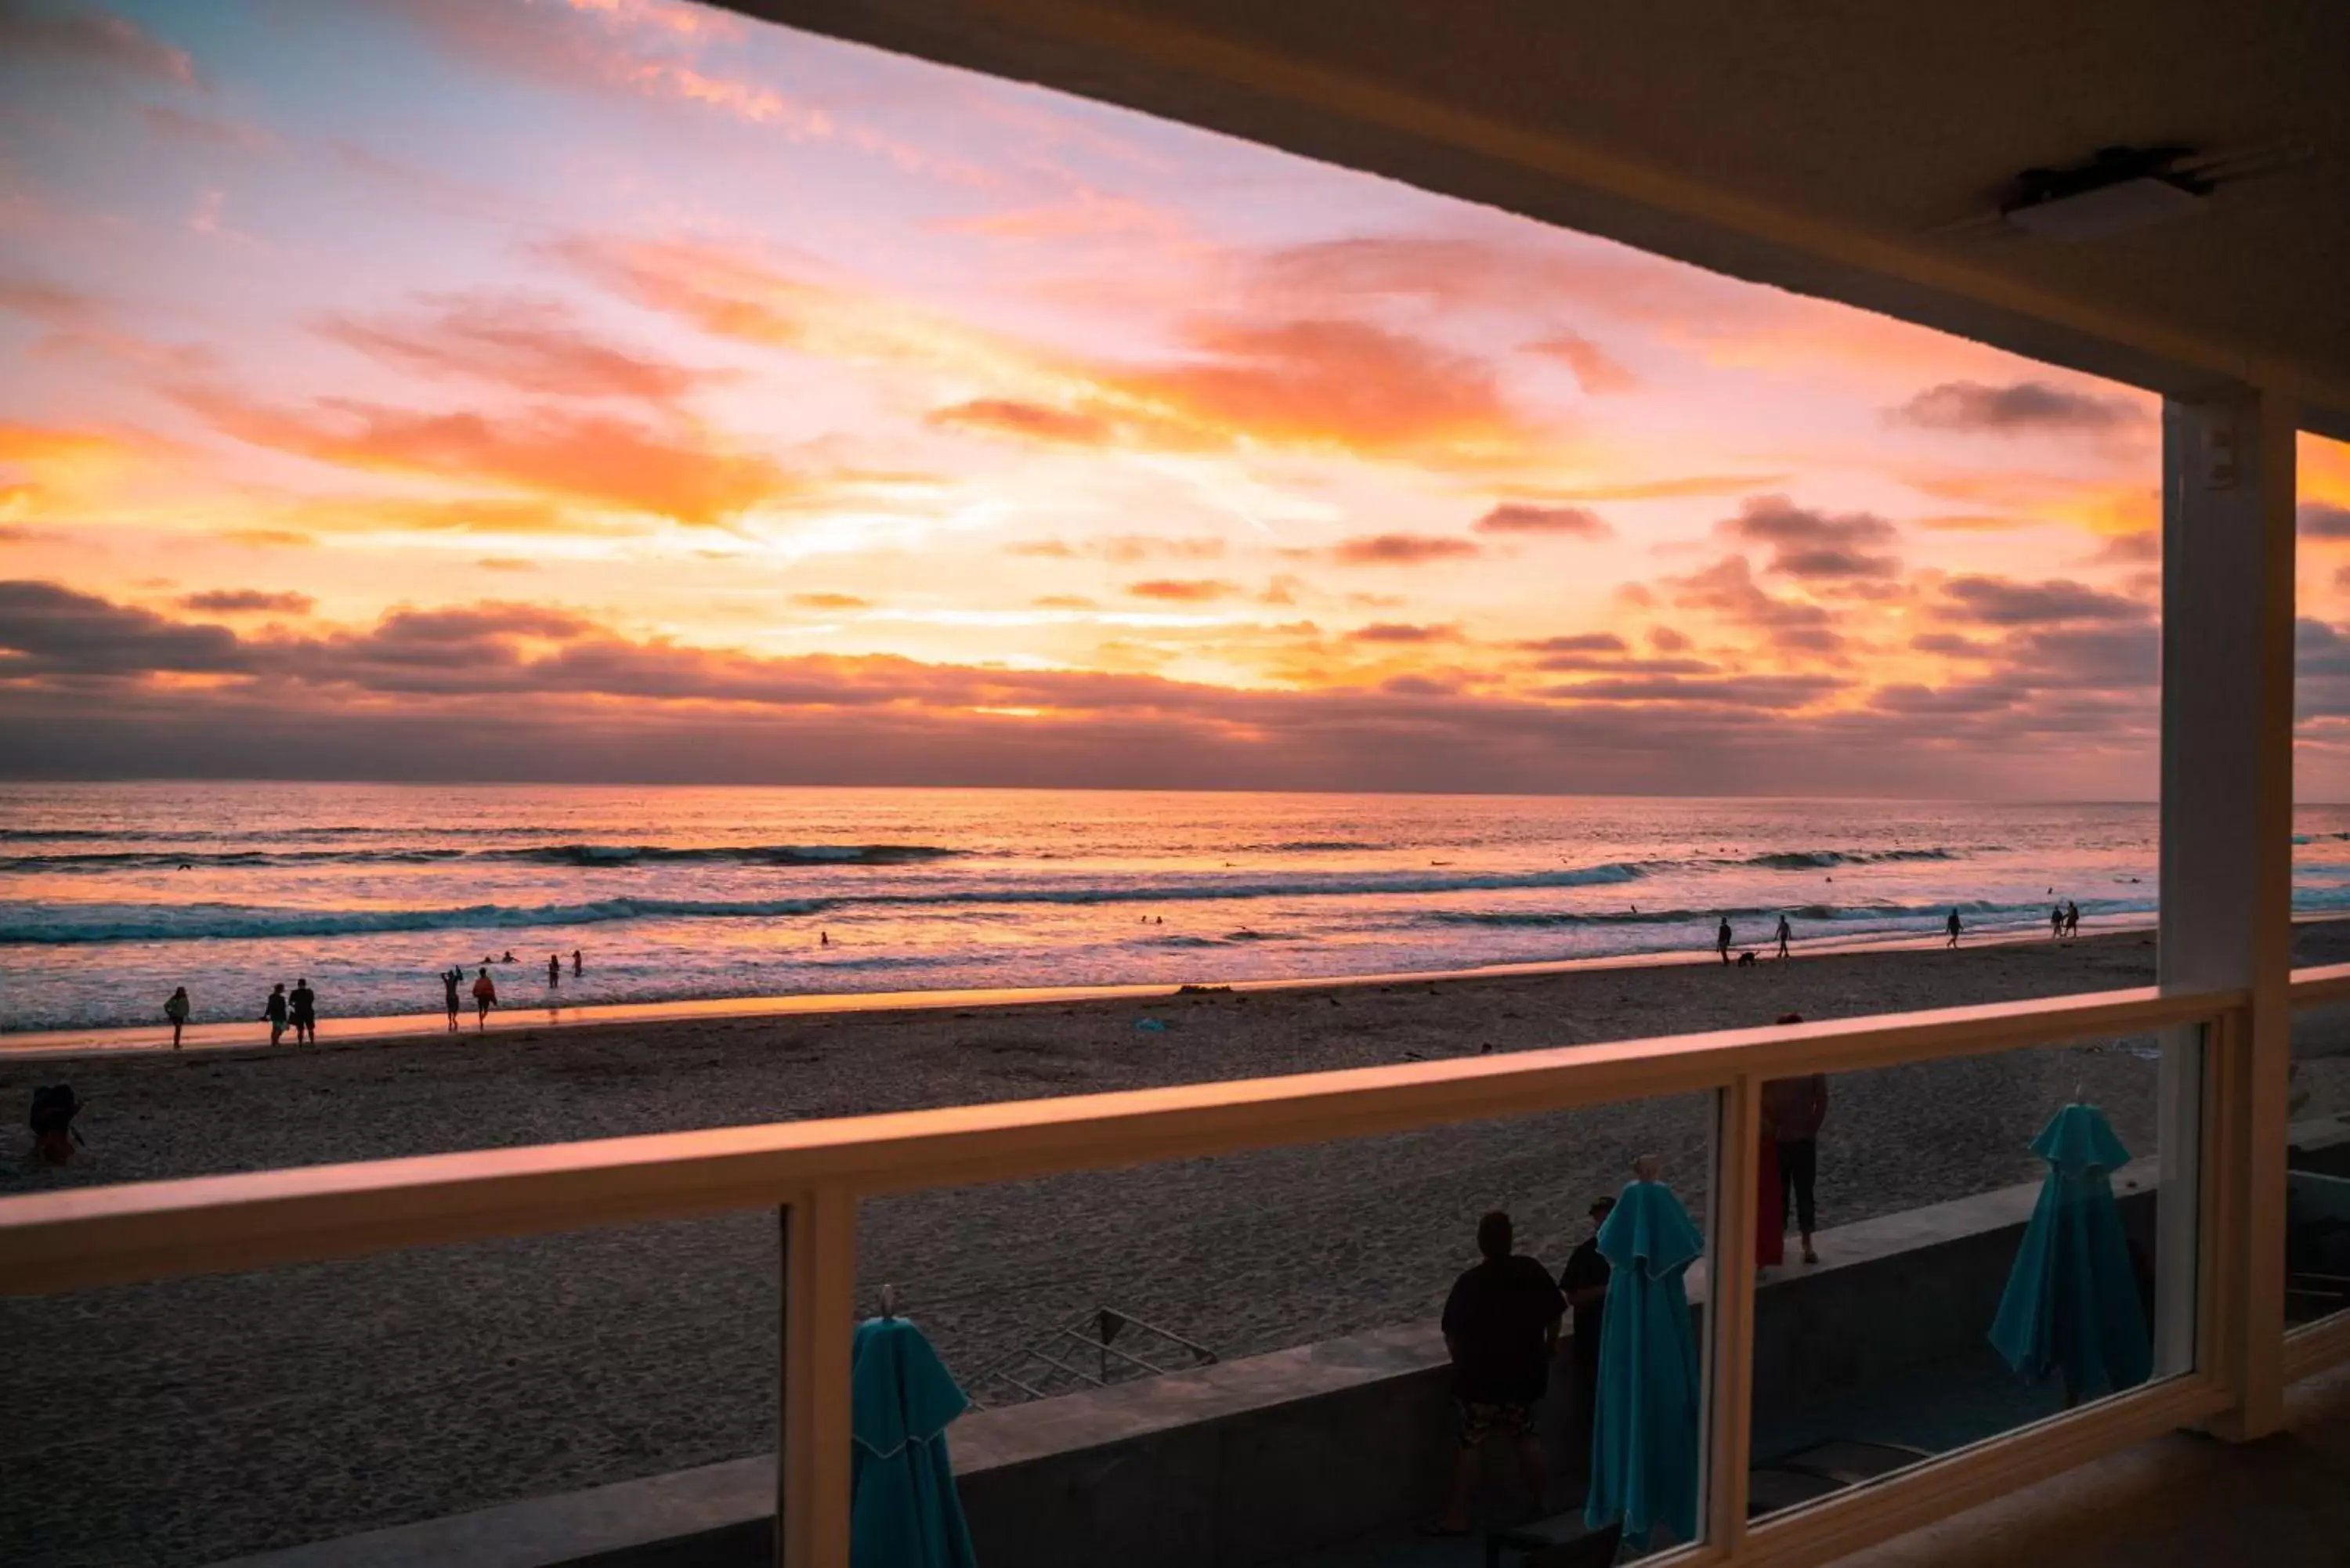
(112, 894)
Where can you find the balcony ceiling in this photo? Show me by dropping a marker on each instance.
(1815, 146)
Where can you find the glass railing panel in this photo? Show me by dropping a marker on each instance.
(1246, 1355)
(2000, 1239)
(188, 1421)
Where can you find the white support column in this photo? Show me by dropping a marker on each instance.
(2226, 858)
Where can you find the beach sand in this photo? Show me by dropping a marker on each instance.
(183, 1422)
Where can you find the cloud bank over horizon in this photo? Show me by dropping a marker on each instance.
(581, 390)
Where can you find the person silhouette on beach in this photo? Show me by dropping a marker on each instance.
(2072, 919)
(176, 1010)
(578, 965)
(305, 1007)
(2055, 921)
(449, 980)
(1786, 934)
(1952, 926)
(554, 971)
(273, 1009)
(823, 938)
(485, 996)
(1721, 940)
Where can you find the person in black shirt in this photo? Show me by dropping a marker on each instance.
(1500, 1327)
(305, 1014)
(1583, 1281)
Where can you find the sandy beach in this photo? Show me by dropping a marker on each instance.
(182, 1423)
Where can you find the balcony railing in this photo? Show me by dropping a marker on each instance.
(815, 1173)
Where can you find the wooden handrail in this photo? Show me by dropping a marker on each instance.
(2316, 987)
(119, 1234)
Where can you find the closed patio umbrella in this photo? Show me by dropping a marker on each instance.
(1643, 1427)
(903, 1510)
(2072, 1302)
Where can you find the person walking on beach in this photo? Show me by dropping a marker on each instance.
(2055, 922)
(1501, 1328)
(485, 996)
(2072, 919)
(449, 980)
(273, 1009)
(1584, 1283)
(1786, 934)
(1793, 1110)
(176, 1010)
(554, 971)
(1952, 926)
(1721, 940)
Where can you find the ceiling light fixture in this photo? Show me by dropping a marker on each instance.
(2121, 190)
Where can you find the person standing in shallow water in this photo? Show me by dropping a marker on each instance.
(176, 1010)
(578, 965)
(1721, 940)
(485, 996)
(273, 1009)
(449, 980)
(554, 971)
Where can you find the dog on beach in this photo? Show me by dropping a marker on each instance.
(1746, 958)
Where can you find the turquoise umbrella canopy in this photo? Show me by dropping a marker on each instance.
(2072, 1303)
(1644, 1426)
(903, 1510)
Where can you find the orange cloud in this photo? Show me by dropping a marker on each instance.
(654, 52)
(1182, 590)
(1313, 383)
(1009, 416)
(531, 345)
(1595, 370)
(1401, 550)
(1333, 383)
(52, 465)
(471, 515)
(1517, 517)
(677, 471)
(822, 601)
(1649, 489)
(2097, 506)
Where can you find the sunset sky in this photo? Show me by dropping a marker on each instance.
(617, 389)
